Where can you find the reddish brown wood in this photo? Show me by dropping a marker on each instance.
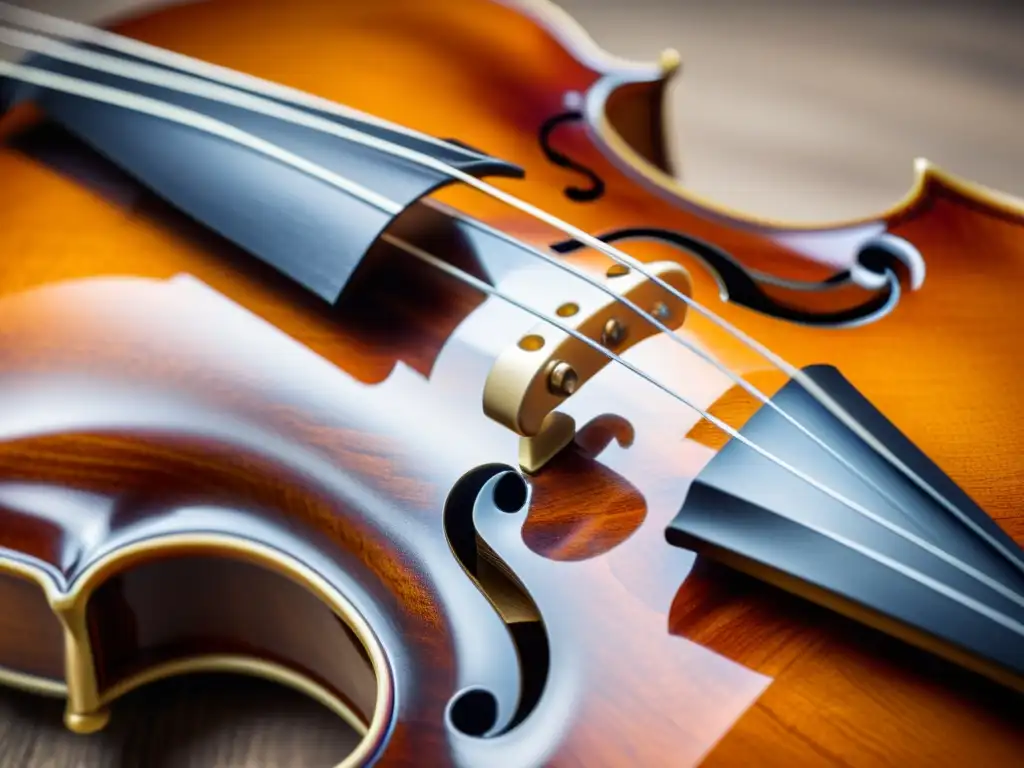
(31, 639)
(675, 663)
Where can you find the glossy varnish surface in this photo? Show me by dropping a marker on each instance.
(688, 660)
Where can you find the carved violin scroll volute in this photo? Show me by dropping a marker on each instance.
(533, 377)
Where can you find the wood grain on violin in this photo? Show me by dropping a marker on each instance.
(222, 450)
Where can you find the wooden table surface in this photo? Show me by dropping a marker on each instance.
(794, 109)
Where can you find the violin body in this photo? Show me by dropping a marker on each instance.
(206, 468)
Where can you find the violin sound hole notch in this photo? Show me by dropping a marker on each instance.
(511, 493)
(473, 712)
(884, 255)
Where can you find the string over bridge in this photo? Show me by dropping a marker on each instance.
(530, 379)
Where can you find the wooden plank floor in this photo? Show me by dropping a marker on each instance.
(804, 110)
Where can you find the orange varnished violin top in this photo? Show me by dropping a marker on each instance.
(564, 467)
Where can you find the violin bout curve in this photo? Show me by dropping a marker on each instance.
(89, 687)
(146, 584)
(574, 36)
(217, 514)
(930, 179)
(647, 83)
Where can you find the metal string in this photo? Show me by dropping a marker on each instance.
(206, 89)
(147, 74)
(64, 28)
(878, 557)
(187, 117)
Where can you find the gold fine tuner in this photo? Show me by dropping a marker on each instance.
(546, 366)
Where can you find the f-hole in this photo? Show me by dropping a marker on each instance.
(577, 194)
(512, 603)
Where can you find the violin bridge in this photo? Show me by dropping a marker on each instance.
(532, 378)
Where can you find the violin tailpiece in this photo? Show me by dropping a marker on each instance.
(941, 583)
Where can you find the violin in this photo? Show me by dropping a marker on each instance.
(371, 348)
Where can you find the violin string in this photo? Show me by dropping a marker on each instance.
(921, 578)
(153, 76)
(145, 74)
(182, 83)
(85, 33)
(703, 354)
(113, 41)
(173, 113)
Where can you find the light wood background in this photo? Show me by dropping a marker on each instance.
(792, 109)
